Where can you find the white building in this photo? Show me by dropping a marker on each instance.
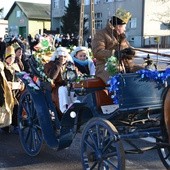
(3, 27)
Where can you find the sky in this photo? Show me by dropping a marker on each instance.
(7, 4)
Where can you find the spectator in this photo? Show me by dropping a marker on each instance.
(89, 41)
(33, 42)
(18, 56)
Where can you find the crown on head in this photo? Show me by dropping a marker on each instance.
(123, 15)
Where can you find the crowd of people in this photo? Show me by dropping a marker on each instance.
(107, 42)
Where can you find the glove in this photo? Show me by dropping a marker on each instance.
(127, 53)
(117, 54)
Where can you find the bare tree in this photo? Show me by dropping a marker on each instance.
(163, 17)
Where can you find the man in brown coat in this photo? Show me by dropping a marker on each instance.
(110, 41)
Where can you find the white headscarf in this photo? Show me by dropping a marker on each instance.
(61, 51)
(80, 48)
(91, 65)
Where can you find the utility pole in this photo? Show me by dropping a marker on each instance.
(81, 23)
(93, 30)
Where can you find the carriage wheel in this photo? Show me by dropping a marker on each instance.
(29, 130)
(100, 148)
(164, 152)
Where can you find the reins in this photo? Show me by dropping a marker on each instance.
(152, 52)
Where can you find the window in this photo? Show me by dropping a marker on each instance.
(56, 3)
(98, 15)
(6, 30)
(96, 1)
(109, 1)
(133, 23)
(98, 24)
(87, 2)
(18, 14)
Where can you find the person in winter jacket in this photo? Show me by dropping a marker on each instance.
(82, 60)
(55, 69)
(110, 41)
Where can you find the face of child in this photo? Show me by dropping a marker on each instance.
(18, 53)
(81, 55)
(10, 60)
(63, 59)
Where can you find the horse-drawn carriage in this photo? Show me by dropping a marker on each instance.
(137, 112)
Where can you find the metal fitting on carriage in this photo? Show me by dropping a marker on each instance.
(73, 114)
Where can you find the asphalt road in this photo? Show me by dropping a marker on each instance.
(13, 157)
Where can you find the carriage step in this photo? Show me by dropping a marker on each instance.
(138, 151)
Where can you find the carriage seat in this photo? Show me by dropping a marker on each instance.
(102, 95)
(90, 83)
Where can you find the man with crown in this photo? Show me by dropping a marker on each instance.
(111, 41)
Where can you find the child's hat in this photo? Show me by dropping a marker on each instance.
(16, 46)
(9, 51)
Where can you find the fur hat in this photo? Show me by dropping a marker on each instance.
(121, 17)
(16, 46)
(9, 51)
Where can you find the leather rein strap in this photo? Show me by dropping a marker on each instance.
(152, 52)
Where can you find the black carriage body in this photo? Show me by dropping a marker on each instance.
(138, 93)
(57, 132)
(38, 117)
(140, 112)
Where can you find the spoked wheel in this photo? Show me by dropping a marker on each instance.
(29, 130)
(100, 148)
(164, 149)
(164, 152)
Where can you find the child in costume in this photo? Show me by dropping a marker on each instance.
(13, 83)
(54, 69)
(82, 60)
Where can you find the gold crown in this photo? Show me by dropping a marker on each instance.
(16, 46)
(123, 15)
(9, 51)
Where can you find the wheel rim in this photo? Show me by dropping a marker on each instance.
(100, 148)
(29, 130)
(164, 153)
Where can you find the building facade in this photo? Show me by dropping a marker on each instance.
(28, 18)
(3, 27)
(146, 28)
